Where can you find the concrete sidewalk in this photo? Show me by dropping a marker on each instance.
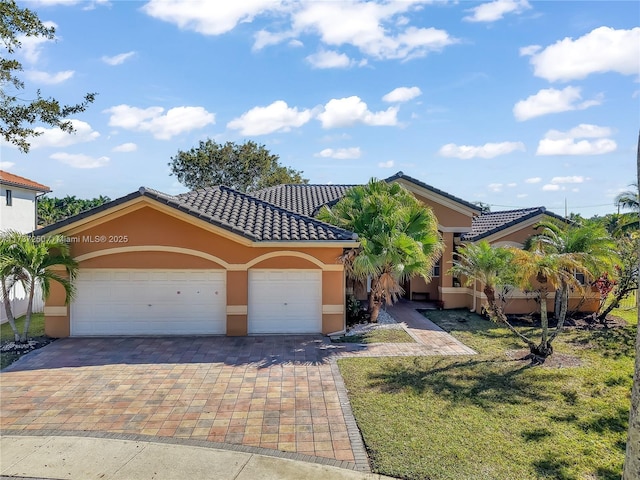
(68, 457)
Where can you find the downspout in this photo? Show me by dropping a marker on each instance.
(475, 285)
(36, 209)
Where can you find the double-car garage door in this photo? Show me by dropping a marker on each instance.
(192, 302)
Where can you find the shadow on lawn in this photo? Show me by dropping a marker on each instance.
(612, 342)
(478, 382)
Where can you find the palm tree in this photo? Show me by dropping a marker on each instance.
(589, 244)
(30, 261)
(550, 271)
(9, 275)
(398, 238)
(629, 199)
(491, 266)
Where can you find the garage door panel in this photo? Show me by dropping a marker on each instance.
(149, 302)
(285, 301)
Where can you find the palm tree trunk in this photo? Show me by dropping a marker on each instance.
(545, 349)
(564, 292)
(632, 454)
(7, 309)
(498, 316)
(27, 320)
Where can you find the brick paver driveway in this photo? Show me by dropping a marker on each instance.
(274, 392)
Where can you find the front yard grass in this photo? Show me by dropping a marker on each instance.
(488, 416)
(36, 329)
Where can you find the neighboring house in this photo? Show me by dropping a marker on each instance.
(19, 212)
(18, 202)
(217, 261)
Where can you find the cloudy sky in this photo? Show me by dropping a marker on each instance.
(514, 103)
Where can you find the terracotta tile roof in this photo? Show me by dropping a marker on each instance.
(7, 178)
(303, 199)
(433, 189)
(492, 222)
(234, 211)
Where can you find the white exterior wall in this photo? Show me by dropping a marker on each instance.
(21, 215)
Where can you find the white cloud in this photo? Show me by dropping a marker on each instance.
(80, 160)
(340, 153)
(522, 195)
(550, 188)
(378, 30)
(604, 49)
(512, 185)
(277, 117)
(550, 100)
(568, 179)
(4, 165)
(176, 121)
(567, 143)
(32, 46)
(207, 17)
(362, 25)
(387, 164)
(329, 59)
(118, 59)
(126, 147)
(533, 180)
(49, 78)
(529, 50)
(56, 138)
(492, 11)
(402, 94)
(345, 112)
(495, 187)
(488, 150)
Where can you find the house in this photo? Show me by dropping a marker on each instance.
(19, 212)
(18, 202)
(218, 261)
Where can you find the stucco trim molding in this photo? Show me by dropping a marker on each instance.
(333, 309)
(154, 248)
(458, 290)
(289, 253)
(55, 311)
(237, 309)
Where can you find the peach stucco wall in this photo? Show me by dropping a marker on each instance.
(124, 240)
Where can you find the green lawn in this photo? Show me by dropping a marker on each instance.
(379, 335)
(36, 329)
(489, 417)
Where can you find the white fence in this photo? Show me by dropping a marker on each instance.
(18, 298)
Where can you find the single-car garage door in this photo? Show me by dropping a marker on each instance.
(149, 302)
(285, 301)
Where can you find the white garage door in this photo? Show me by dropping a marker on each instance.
(285, 301)
(149, 302)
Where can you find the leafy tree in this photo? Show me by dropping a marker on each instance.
(246, 167)
(17, 116)
(398, 238)
(29, 260)
(625, 277)
(52, 209)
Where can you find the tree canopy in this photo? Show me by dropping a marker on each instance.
(52, 209)
(399, 237)
(246, 167)
(17, 115)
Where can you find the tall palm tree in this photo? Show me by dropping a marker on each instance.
(589, 244)
(9, 275)
(30, 261)
(399, 238)
(629, 199)
(492, 267)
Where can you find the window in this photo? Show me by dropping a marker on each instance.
(9, 198)
(436, 270)
(580, 278)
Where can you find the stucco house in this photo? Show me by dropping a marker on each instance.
(218, 261)
(19, 212)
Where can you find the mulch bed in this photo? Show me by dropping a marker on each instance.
(557, 360)
(579, 321)
(12, 351)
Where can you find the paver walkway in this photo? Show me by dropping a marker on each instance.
(271, 393)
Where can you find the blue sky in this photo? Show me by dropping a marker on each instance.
(514, 103)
